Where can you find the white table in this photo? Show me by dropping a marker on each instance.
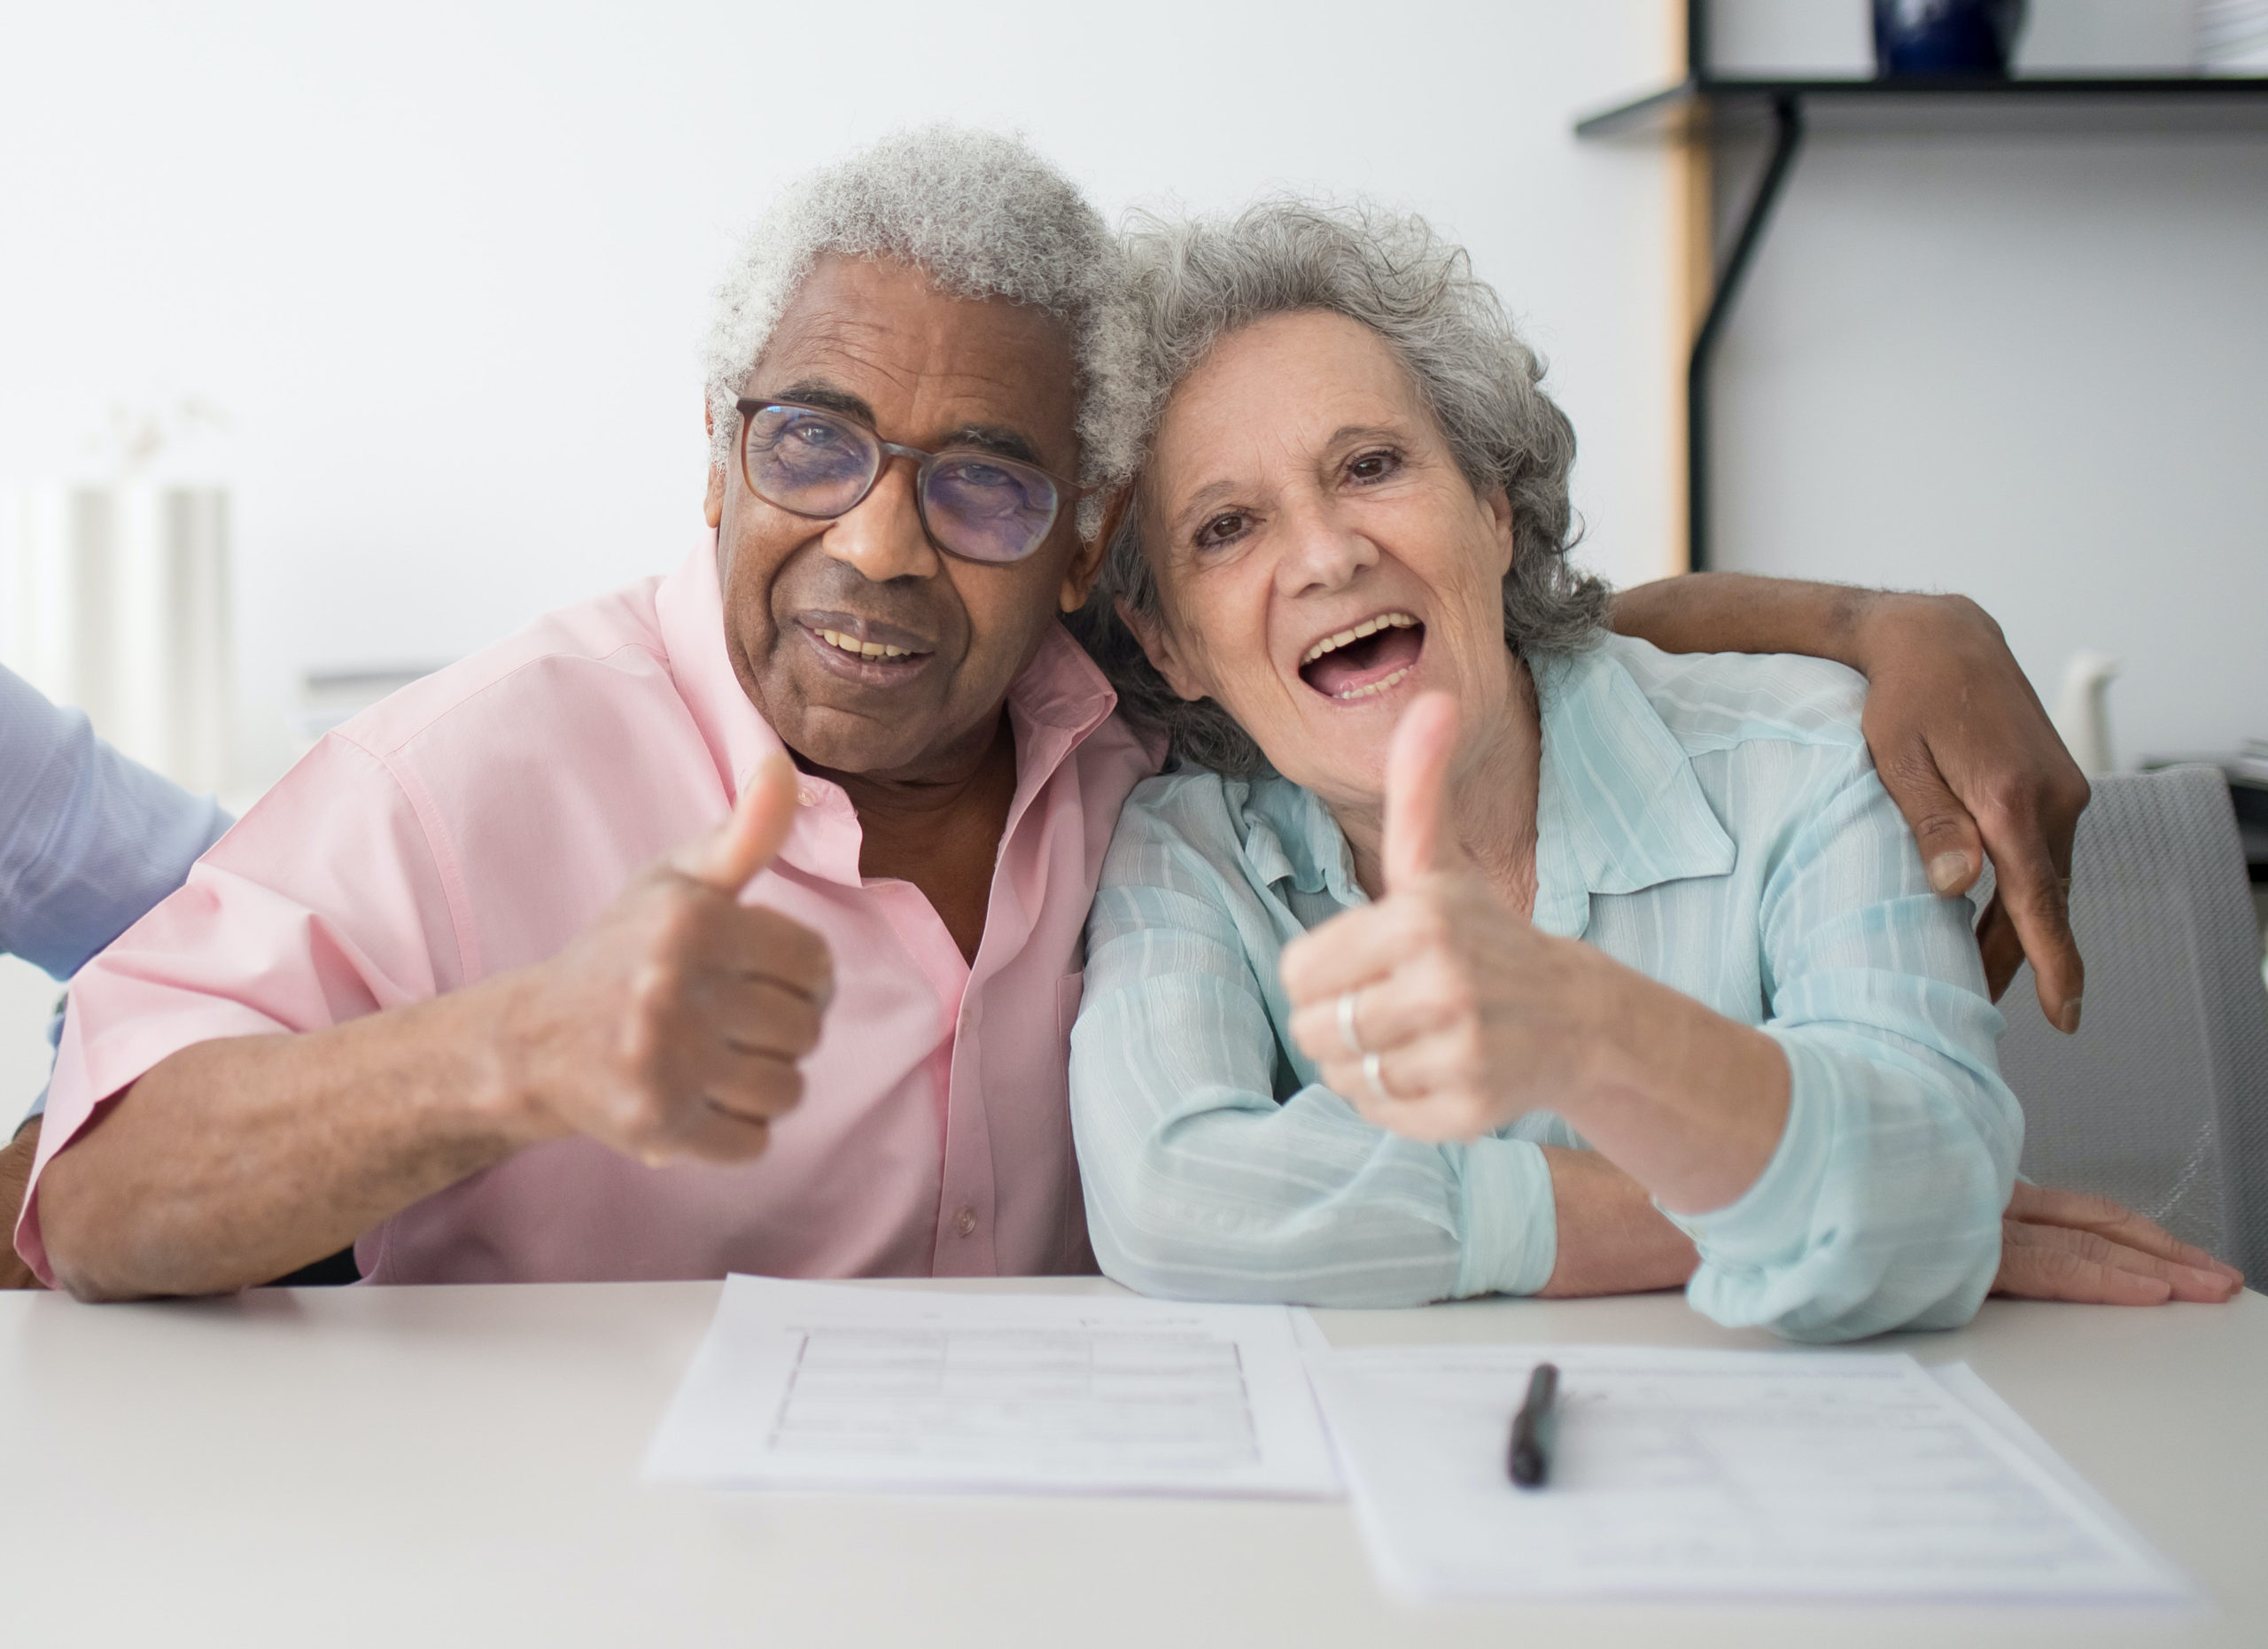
(419, 1466)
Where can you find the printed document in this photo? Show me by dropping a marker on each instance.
(1714, 1474)
(820, 1385)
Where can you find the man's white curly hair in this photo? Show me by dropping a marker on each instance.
(985, 217)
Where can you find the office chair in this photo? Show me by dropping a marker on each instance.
(2162, 1099)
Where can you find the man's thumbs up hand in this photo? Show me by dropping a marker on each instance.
(727, 858)
(672, 1026)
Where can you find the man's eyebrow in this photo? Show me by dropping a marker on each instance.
(992, 438)
(826, 398)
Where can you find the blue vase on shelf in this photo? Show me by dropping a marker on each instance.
(1945, 39)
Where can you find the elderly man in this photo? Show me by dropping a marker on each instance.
(484, 987)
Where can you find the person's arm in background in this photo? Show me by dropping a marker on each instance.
(89, 842)
(1960, 740)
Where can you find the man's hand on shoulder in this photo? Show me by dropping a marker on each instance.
(671, 1027)
(1958, 736)
(1966, 751)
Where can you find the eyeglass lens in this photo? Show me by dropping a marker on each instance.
(814, 463)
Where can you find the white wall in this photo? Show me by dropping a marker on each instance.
(2031, 368)
(444, 266)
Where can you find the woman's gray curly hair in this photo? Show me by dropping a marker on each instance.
(984, 217)
(1195, 282)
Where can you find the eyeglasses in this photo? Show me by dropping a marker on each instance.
(821, 464)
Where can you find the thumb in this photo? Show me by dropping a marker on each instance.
(1416, 784)
(727, 856)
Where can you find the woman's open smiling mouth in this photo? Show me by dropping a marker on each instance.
(1371, 659)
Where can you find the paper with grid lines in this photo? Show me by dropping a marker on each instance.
(818, 1386)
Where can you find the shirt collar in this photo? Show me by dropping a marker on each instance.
(1056, 703)
(1290, 834)
(1618, 807)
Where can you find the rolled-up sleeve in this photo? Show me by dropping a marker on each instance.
(266, 936)
(1201, 1182)
(1881, 1208)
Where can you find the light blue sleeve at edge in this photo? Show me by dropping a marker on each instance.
(1881, 1208)
(88, 840)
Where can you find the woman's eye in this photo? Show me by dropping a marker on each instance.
(1374, 466)
(1219, 530)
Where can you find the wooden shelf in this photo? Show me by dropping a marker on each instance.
(1703, 107)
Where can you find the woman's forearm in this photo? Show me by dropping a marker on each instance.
(1689, 1103)
(234, 1162)
(1613, 1240)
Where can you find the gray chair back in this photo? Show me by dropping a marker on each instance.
(2162, 1099)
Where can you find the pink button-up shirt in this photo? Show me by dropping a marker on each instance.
(475, 821)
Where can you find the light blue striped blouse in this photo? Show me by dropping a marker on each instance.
(1712, 820)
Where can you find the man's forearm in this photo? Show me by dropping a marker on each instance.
(1733, 612)
(15, 1171)
(234, 1162)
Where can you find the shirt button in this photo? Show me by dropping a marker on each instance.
(965, 1222)
(806, 795)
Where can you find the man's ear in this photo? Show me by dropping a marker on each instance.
(1079, 576)
(1086, 563)
(713, 506)
(1157, 644)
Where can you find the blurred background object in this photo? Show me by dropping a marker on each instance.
(328, 698)
(116, 599)
(1943, 37)
(2083, 711)
(2232, 36)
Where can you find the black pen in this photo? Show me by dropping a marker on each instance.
(1529, 1459)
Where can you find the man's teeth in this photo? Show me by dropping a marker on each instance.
(1368, 626)
(863, 649)
(1375, 687)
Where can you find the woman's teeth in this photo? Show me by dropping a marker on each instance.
(1375, 687)
(1368, 626)
(858, 648)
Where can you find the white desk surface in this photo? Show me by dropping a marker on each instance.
(421, 1467)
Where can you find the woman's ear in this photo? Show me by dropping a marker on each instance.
(1496, 506)
(1157, 645)
(713, 506)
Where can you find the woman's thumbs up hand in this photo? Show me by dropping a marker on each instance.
(1439, 1011)
(1416, 788)
(672, 1026)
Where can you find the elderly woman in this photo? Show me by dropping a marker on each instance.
(1470, 949)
